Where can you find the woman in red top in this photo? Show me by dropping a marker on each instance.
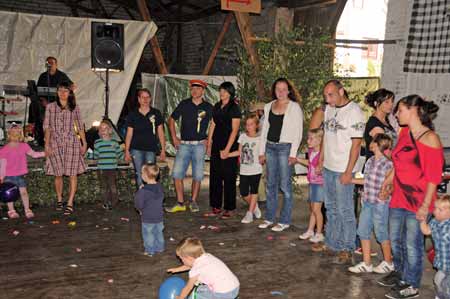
(418, 162)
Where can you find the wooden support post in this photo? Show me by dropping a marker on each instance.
(226, 25)
(145, 13)
(243, 21)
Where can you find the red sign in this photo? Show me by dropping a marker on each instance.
(253, 6)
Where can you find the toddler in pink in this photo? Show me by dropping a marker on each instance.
(13, 167)
(212, 278)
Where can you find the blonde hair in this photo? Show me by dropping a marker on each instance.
(150, 171)
(445, 199)
(190, 247)
(253, 116)
(15, 133)
(317, 132)
(108, 124)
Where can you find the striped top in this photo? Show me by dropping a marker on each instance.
(107, 153)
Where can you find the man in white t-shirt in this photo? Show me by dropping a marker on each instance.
(343, 131)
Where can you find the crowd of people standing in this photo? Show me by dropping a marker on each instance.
(401, 174)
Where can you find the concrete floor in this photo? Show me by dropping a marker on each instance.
(101, 257)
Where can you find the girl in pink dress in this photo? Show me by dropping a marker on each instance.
(13, 157)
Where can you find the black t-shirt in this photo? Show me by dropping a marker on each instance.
(276, 124)
(374, 122)
(55, 79)
(223, 118)
(145, 129)
(191, 129)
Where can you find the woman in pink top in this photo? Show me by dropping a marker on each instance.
(13, 166)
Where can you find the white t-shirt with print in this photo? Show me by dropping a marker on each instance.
(214, 273)
(341, 125)
(249, 155)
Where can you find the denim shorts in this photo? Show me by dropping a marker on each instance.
(19, 181)
(374, 217)
(316, 193)
(203, 292)
(186, 154)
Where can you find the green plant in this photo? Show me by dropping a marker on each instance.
(307, 66)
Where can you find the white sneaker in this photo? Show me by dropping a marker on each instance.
(257, 212)
(361, 268)
(384, 268)
(248, 218)
(280, 227)
(265, 224)
(317, 238)
(306, 235)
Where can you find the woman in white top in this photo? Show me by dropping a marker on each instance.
(280, 139)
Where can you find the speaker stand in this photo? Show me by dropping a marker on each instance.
(106, 115)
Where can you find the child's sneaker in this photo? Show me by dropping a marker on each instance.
(280, 227)
(248, 218)
(384, 268)
(265, 224)
(317, 238)
(390, 280)
(306, 235)
(402, 293)
(361, 268)
(178, 207)
(193, 206)
(257, 212)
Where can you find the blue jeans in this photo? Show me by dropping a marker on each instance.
(442, 285)
(152, 234)
(139, 159)
(374, 217)
(340, 232)
(187, 153)
(203, 292)
(407, 244)
(278, 177)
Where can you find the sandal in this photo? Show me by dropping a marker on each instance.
(13, 214)
(29, 214)
(214, 213)
(59, 206)
(68, 210)
(226, 215)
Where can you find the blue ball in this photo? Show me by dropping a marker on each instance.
(9, 192)
(171, 287)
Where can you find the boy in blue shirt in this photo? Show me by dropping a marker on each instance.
(149, 202)
(439, 229)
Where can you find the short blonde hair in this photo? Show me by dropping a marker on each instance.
(150, 171)
(190, 247)
(15, 133)
(445, 199)
(317, 132)
(253, 116)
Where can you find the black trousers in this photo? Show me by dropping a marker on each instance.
(222, 182)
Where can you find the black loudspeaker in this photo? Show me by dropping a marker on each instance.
(107, 46)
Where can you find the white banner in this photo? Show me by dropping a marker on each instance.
(432, 86)
(27, 39)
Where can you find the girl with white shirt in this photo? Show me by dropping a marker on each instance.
(280, 139)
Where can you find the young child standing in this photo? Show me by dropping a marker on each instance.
(14, 158)
(213, 277)
(375, 210)
(107, 152)
(439, 229)
(250, 169)
(149, 202)
(316, 193)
